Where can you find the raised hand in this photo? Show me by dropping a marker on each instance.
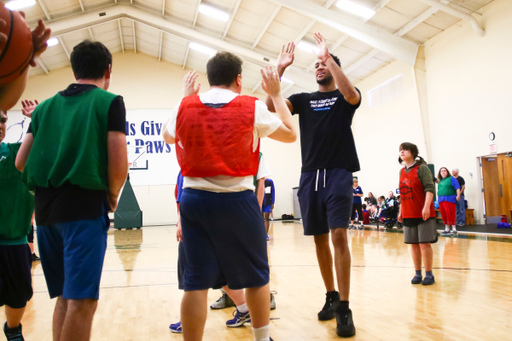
(286, 56)
(323, 51)
(28, 107)
(189, 81)
(270, 82)
(40, 36)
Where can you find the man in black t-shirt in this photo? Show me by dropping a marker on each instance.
(329, 158)
(461, 204)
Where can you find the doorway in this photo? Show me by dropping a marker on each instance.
(497, 183)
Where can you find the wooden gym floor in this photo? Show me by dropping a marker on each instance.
(471, 300)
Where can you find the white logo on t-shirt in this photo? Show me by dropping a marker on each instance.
(322, 104)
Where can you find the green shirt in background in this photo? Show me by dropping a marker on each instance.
(16, 202)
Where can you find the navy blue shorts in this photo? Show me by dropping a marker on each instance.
(182, 260)
(225, 240)
(325, 199)
(72, 256)
(15, 275)
(266, 209)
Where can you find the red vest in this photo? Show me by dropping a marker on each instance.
(412, 195)
(216, 141)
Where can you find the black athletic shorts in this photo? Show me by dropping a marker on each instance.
(15, 275)
(325, 198)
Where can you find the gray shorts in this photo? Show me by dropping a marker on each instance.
(425, 232)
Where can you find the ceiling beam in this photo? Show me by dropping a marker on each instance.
(120, 34)
(416, 21)
(45, 9)
(271, 18)
(232, 16)
(134, 38)
(455, 12)
(90, 32)
(81, 5)
(163, 7)
(361, 61)
(381, 4)
(395, 46)
(155, 20)
(43, 65)
(197, 13)
(161, 43)
(63, 44)
(186, 57)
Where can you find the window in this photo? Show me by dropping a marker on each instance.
(386, 91)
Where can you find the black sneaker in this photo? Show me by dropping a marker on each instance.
(35, 258)
(13, 334)
(428, 281)
(223, 302)
(345, 324)
(331, 304)
(416, 279)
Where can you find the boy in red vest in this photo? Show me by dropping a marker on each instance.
(217, 144)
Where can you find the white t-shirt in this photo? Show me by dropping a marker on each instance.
(265, 123)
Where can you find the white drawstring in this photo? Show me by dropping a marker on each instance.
(316, 182)
(324, 177)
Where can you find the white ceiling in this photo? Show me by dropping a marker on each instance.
(256, 31)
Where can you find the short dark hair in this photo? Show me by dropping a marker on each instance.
(223, 68)
(336, 59)
(90, 60)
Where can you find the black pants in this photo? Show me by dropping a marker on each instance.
(359, 209)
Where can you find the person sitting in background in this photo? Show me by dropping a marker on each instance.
(366, 215)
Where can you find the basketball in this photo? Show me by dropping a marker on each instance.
(16, 52)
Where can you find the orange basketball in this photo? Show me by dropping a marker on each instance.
(16, 52)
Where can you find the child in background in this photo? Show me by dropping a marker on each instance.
(366, 215)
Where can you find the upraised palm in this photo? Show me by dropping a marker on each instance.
(323, 50)
(286, 56)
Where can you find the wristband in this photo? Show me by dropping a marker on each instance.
(325, 60)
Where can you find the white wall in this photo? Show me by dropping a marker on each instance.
(146, 83)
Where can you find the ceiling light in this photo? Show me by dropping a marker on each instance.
(308, 47)
(19, 4)
(213, 12)
(203, 49)
(286, 80)
(355, 8)
(53, 42)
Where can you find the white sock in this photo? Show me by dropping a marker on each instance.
(243, 308)
(261, 333)
(453, 228)
(447, 228)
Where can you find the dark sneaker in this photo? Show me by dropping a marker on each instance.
(445, 233)
(223, 302)
(13, 334)
(428, 281)
(345, 324)
(176, 327)
(416, 279)
(453, 233)
(35, 258)
(331, 304)
(273, 300)
(239, 319)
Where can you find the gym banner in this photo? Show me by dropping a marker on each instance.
(151, 160)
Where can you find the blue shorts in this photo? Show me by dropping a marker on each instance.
(325, 199)
(266, 209)
(72, 256)
(225, 240)
(182, 260)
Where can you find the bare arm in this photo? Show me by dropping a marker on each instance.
(344, 85)
(429, 196)
(179, 235)
(168, 138)
(26, 146)
(117, 166)
(287, 131)
(260, 191)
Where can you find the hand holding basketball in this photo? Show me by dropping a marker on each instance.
(40, 36)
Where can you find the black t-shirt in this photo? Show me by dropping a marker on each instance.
(70, 202)
(461, 181)
(326, 138)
